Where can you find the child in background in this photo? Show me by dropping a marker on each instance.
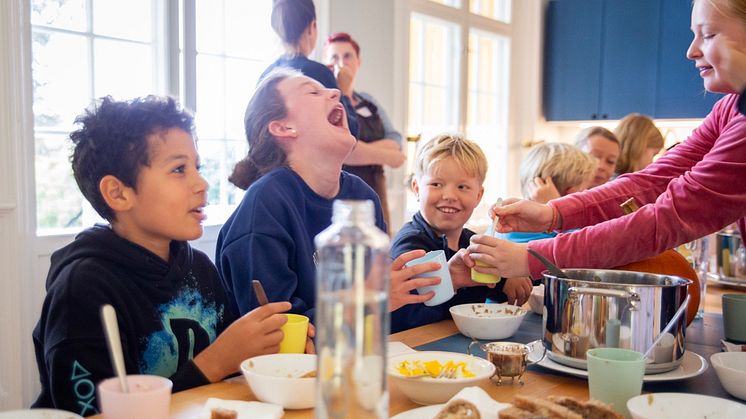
(449, 173)
(136, 163)
(640, 140)
(569, 168)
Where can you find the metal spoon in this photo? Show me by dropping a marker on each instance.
(114, 343)
(552, 268)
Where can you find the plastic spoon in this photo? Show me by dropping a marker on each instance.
(493, 227)
(114, 343)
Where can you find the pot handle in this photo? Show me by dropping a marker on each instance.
(633, 297)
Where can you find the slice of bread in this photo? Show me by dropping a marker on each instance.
(544, 408)
(220, 413)
(459, 409)
(516, 413)
(590, 409)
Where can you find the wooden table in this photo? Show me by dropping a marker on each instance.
(538, 381)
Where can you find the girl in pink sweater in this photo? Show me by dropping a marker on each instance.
(693, 190)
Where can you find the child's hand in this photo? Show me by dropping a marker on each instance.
(505, 258)
(518, 290)
(256, 333)
(522, 215)
(310, 348)
(544, 190)
(460, 268)
(404, 279)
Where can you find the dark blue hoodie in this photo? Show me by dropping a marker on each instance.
(167, 312)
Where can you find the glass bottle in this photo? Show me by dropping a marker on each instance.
(352, 318)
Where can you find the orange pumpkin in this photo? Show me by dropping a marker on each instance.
(671, 262)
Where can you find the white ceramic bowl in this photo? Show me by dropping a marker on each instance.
(536, 300)
(487, 321)
(684, 405)
(427, 390)
(275, 379)
(731, 370)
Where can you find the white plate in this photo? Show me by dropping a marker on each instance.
(679, 405)
(39, 414)
(692, 365)
(424, 412)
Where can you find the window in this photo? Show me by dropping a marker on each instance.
(86, 49)
(459, 64)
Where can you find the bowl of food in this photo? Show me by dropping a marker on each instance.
(730, 368)
(487, 321)
(536, 300)
(683, 405)
(432, 377)
(288, 380)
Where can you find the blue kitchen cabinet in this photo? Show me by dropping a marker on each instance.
(679, 90)
(605, 59)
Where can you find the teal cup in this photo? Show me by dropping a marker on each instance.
(615, 376)
(734, 317)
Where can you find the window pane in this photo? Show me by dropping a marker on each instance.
(210, 116)
(123, 69)
(488, 95)
(131, 19)
(251, 35)
(210, 29)
(218, 158)
(493, 9)
(61, 85)
(58, 201)
(433, 77)
(452, 3)
(62, 14)
(240, 83)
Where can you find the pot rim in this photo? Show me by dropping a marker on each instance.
(681, 280)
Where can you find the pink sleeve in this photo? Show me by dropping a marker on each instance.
(693, 190)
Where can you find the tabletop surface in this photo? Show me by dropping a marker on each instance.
(702, 336)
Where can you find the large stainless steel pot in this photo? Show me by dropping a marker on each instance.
(731, 256)
(603, 308)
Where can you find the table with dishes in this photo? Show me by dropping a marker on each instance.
(694, 375)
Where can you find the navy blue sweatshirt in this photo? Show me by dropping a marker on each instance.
(269, 237)
(167, 313)
(417, 234)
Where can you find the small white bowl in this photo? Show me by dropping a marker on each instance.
(427, 390)
(731, 371)
(276, 379)
(487, 321)
(683, 405)
(536, 300)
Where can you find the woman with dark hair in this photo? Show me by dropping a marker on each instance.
(294, 21)
(298, 139)
(380, 143)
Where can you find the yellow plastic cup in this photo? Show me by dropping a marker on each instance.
(483, 278)
(295, 330)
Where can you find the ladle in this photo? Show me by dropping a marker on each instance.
(670, 324)
(114, 343)
(552, 268)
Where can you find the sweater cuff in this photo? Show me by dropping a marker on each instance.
(188, 376)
